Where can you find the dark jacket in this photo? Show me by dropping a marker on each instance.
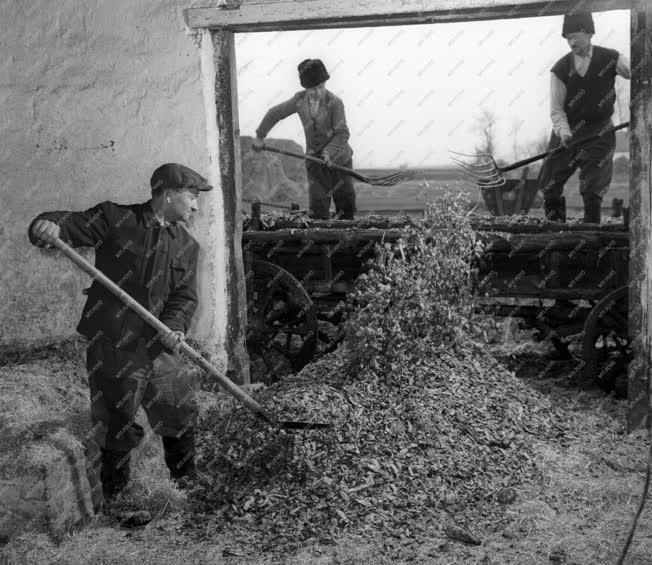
(589, 99)
(326, 132)
(155, 265)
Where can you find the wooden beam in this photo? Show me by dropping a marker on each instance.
(548, 227)
(222, 314)
(553, 293)
(323, 14)
(478, 224)
(226, 100)
(640, 321)
(321, 236)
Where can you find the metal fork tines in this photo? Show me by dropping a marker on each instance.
(393, 179)
(484, 171)
(399, 177)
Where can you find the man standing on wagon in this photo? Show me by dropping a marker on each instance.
(324, 124)
(582, 99)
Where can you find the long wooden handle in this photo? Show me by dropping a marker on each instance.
(334, 166)
(540, 156)
(153, 321)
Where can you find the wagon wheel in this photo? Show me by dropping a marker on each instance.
(330, 329)
(282, 321)
(606, 347)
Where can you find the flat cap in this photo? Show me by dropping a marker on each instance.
(174, 175)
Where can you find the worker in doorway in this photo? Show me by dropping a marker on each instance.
(324, 125)
(144, 249)
(582, 99)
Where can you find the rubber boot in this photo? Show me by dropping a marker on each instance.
(555, 209)
(592, 209)
(561, 209)
(180, 459)
(114, 473)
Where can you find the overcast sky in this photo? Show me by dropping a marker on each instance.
(411, 93)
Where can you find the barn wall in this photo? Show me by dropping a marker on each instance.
(94, 95)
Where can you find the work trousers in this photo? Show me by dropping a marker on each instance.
(594, 159)
(324, 183)
(121, 381)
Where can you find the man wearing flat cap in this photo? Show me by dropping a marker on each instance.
(582, 96)
(145, 250)
(324, 124)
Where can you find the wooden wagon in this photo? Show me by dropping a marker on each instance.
(568, 282)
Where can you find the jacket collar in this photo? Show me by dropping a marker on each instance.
(304, 99)
(150, 219)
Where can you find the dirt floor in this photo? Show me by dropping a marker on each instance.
(579, 513)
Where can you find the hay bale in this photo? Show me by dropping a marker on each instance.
(49, 465)
(44, 481)
(46, 489)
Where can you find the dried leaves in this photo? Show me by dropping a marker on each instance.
(426, 425)
(445, 435)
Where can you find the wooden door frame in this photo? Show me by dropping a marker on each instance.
(219, 20)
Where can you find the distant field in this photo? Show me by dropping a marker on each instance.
(431, 183)
(411, 197)
(443, 174)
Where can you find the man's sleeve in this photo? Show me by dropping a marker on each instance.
(336, 147)
(275, 114)
(182, 302)
(78, 229)
(557, 99)
(623, 68)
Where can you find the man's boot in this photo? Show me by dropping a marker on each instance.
(114, 473)
(180, 459)
(555, 209)
(592, 208)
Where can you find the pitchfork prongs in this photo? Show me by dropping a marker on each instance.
(484, 172)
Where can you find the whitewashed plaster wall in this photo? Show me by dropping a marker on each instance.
(94, 96)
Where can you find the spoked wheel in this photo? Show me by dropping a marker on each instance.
(330, 329)
(282, 322)
(606, 346)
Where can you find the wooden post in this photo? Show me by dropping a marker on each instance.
(222, 320)
(255, 215)
(283, 15)
(640, 321)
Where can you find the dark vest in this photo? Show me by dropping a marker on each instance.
(589, 99)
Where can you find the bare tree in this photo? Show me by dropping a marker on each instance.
(484, 126)
(517, 124)
(536, 146)
(540, 143)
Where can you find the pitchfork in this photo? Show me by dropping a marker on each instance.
(486, 173)
(388, 180)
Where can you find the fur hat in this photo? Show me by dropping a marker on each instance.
(312, 72)
(578, 21)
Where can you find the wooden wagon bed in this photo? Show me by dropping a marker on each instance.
(566, 281)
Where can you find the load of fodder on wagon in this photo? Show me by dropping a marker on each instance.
(300, 219)
(427, 428)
